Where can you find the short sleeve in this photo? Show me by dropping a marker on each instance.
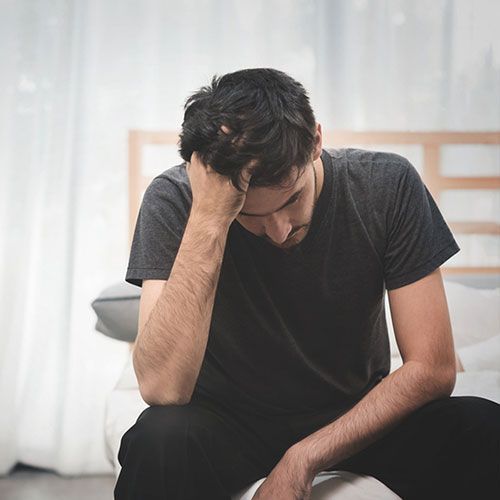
(158, 232)
(418, 238)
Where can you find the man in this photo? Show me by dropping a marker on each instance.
(262, 344)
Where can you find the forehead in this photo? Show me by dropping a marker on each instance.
(265, 200)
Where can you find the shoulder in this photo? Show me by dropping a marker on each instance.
(173, 180)
(168, 196)
(371, 182)
(170, 186)
(384, 165)
(375, 174)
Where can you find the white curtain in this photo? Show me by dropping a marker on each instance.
(76, 75)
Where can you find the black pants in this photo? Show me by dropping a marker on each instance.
(448, 448)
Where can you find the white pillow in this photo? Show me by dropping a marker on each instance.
(474, 313)
(484, 355)
(117, 311)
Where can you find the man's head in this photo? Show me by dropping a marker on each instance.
(261, 118)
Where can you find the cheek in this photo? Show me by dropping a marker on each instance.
(299, 212)
(251, 226)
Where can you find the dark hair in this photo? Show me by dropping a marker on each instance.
(269, 121)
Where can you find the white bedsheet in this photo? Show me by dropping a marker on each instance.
(337, 484)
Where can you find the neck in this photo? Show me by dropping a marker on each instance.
(318, 177)
(315, 184)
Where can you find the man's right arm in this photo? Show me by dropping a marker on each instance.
(170, 347)
(171, 344)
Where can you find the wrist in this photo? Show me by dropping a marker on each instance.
(200, 218)
(298, 459)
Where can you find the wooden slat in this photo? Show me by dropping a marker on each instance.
(467, 183)
(474, 227)
(346, 137)
(350, 137)
(470, 270)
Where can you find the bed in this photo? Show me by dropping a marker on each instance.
(473, 294)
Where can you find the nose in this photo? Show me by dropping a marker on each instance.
(277, 228)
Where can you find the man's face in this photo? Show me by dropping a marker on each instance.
(281, 215)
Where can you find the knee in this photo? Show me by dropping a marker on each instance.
(464, 418)
(477, 412)
(472, 424)
(474, 412)
(153, 454)
(157, 429)
(479, 440)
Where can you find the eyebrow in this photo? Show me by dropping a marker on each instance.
(288, 202)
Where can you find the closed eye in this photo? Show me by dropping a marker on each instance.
(293, 199)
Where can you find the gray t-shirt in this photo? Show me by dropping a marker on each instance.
(305, 331)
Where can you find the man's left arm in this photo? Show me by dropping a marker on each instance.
(423, 333)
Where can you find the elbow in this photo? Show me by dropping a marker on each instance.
(445, 380)
(154, 397)
(154, 393)
(449, 381)
(159, 390)
(436, 381)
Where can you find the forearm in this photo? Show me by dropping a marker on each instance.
(380, 410)
(169, 351)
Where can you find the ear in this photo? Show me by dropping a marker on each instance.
(318, 142)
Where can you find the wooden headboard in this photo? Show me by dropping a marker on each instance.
(431, 144)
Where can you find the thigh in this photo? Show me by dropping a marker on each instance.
(242, 447)
(450, 447)
(206, 442)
